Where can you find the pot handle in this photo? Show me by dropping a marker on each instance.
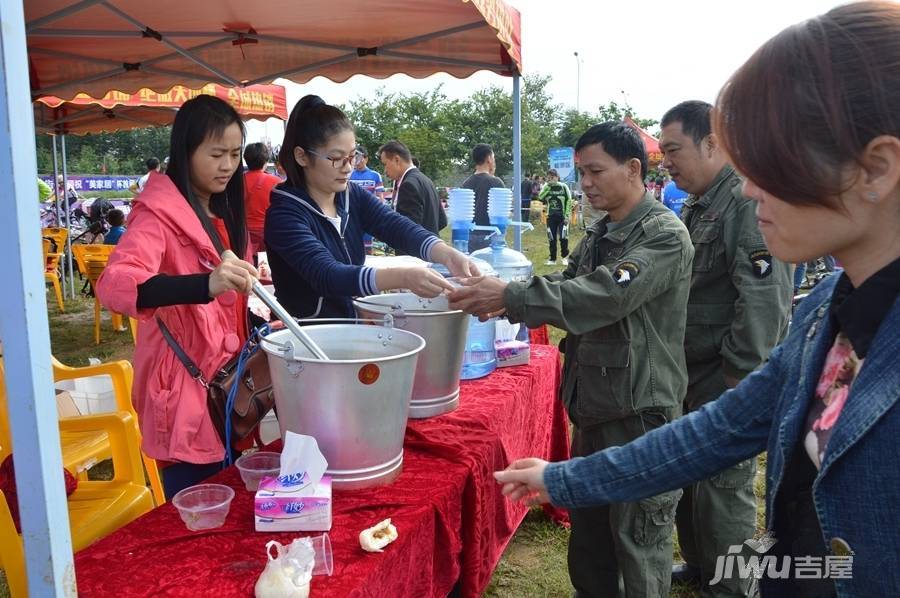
(387, 321)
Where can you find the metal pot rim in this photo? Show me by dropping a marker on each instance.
(361, 303)
(274, 348)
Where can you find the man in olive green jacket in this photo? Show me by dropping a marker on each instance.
(622, 299)
(738, 311)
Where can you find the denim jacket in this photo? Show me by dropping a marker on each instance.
(856, 492)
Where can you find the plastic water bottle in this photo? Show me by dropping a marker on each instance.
(480, 357)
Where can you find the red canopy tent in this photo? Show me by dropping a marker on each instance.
(146, 108)
(93, 46)
(651, 143)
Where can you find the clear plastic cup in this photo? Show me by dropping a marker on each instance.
(324, 564)
(256, 466)
(204, 506)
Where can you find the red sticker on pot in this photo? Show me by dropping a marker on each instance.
(369, 373)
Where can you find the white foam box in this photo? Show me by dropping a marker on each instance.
(93, 394)
(293, 512)
(510, 353)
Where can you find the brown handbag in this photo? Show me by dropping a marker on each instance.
(253, 396)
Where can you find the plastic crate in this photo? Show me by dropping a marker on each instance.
(93, 394)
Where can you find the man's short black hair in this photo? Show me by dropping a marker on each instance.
(395, 148)
(152, 164)
(618, 140)
(256, 155)
(481, 152)
(552, 172)
(694, 116)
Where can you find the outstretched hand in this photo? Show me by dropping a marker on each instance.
(523, 481)
(481, 296)
(425, 282)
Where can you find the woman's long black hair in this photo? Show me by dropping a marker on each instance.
(197, 120)
(311, 124)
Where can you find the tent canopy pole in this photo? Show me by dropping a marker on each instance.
(517, 150)
(25, 331)
(65, 199)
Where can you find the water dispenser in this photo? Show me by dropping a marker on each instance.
(511, 266)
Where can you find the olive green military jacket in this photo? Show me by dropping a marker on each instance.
(622, 300)
(740, 298)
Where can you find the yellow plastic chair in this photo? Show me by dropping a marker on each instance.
(58, 236)
(12, 555)
(91, 260)
(82, 449)
(51, 272)
(97, 507)
(133, 324)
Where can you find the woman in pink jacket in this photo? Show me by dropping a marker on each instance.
(168, 267)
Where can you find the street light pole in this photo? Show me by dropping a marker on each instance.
(578, 84)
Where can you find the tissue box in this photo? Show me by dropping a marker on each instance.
(511, 353)
(300, 510)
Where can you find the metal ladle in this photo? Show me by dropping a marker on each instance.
(266, 297)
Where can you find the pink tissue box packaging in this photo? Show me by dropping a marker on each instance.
(510, 353)
(280, 506)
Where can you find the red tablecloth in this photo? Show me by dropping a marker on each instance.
(453, 522)
(539, 335)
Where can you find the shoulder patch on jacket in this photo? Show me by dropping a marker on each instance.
(625, 272)
(761, 262)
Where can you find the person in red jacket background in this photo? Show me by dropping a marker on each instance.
(258, 186)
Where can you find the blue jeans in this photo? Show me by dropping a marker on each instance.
(799, 275)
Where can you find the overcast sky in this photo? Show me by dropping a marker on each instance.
(654, 53)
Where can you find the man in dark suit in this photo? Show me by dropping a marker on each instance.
(414, 194)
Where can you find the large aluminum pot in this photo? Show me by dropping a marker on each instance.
(436, 389)
(355, 404)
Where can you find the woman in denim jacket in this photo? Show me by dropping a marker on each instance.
(813, 122)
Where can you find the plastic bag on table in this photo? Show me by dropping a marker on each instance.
(289, 572)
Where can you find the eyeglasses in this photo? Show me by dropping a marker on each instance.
(336, 162)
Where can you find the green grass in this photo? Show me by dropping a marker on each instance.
(534, 563)
(72, 332)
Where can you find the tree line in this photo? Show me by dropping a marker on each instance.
(440, 131)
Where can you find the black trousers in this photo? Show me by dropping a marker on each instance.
(557, 229)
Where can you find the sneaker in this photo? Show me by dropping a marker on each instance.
(550, 263)
(565, 261)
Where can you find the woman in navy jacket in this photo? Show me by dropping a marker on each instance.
(813, 121)
(316, 222)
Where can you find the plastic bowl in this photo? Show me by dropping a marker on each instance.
(203, 506)
(256, 466)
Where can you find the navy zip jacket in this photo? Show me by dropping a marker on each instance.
(318, 271)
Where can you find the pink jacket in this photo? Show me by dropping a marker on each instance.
(166, 237)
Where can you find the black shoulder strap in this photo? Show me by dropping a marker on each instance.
(189, 365)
